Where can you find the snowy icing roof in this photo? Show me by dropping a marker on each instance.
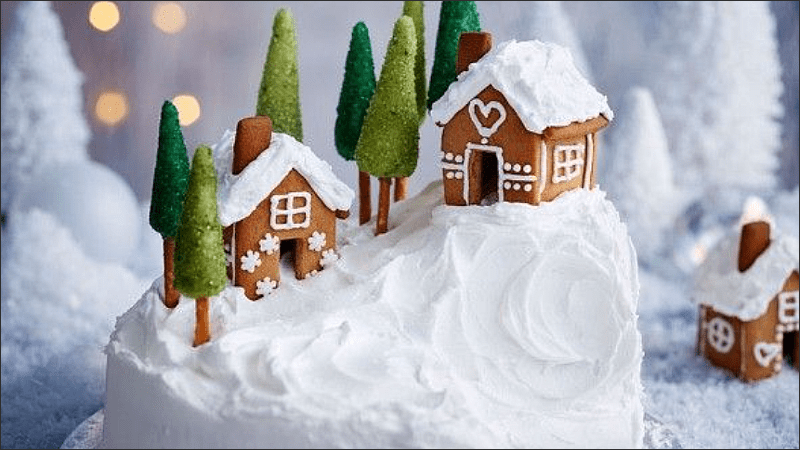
(239, 195)
(538, 79)
(746, 295)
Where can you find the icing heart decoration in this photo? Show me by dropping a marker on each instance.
(486, 110)
(766, 352)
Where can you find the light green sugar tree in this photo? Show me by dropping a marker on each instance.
(199, 256)
(279, 92)
(387, 147)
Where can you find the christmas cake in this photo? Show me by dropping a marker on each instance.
(472, 322)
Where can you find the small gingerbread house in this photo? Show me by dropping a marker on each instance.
(519, 123)
(747, 291)
(275, 196)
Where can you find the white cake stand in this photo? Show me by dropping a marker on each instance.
(89, 434)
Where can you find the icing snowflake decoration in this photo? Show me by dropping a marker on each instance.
(250, 261)
(317, 241)
(270, 244)
(266, 286)
(329, 257)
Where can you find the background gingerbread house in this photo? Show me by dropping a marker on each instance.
(278, 196)
(747, 291)
(519, 123)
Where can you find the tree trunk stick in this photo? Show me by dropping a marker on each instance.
(382, 224)
(202, 326)
(400, 188)
(171, 295)
(365, 198)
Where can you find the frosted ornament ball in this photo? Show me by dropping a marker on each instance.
(95, 203)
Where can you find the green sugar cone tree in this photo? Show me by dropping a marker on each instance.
(455, 17)
(279, 92)
(199, 256)
(170, 178)
(415, 10)
(357, 89)
(387, 147)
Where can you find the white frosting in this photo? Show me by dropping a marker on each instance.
(239, 195)
(499, 326)
(538, 79)
(746, 295)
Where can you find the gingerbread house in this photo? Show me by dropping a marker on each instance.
(747, 291)
(278, 197)
(519, 123)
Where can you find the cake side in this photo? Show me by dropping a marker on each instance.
(428, 336)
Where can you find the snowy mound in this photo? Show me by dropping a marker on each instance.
(497, 326)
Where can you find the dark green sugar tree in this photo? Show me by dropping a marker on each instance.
(357, 89)
(199, 256)
(170, 179)
(279, 92)
(387, 147)
(455, 18)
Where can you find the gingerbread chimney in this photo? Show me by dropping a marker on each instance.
(253, 136)
(753, 241)
(472, 45)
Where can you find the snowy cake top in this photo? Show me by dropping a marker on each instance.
(239, 195)
(538, 79)
(747, 294)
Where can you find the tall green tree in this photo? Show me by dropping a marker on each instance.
(455, 18)
(279, 93)
(357, 89)
(387, 147)
(415, 10)
(199, 255)
(170, 178)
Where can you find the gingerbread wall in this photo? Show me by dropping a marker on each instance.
(528, 167)
(250, 231)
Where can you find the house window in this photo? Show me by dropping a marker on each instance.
(787, 307)
(567, 162)
(289, 211)
(720, 335)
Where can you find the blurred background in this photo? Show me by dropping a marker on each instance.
(208, 58)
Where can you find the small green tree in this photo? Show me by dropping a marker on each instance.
(415, 10)
(387, 147)
(199, 256)
(357, 89)
(455, 18)
(279, 93)
(170, 179)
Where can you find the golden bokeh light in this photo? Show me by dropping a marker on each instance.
(188, 109)
(104, 15)
(111, 108)
(169, 17)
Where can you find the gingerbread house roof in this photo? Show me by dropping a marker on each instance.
(746, 295)
(538, 79)
(239, 195)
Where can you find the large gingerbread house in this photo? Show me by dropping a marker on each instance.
(277, 197)
(747, 291)
(519, 123)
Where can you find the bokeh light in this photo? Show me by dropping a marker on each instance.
(169, 17)
(188, 109)
(104, 15)
(111, 108)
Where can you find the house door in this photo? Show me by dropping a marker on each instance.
(483, 183)
(790, 347)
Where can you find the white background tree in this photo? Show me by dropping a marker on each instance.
(42, 103)
(715, 75)
(640, 177)
(547, 21)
